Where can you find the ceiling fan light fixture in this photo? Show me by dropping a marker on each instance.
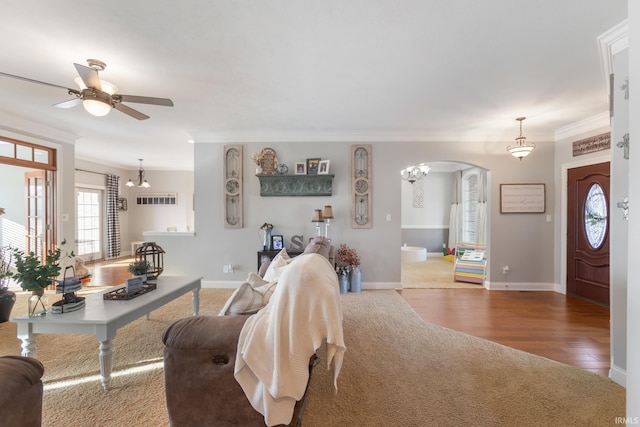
(106, 86)
(96, 107)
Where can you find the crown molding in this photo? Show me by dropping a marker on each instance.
(14, 127)
(587, 125)
(609, 43)
(360, 136)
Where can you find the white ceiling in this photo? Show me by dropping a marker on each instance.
(303, 70)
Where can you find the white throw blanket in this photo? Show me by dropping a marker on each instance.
(276, 343)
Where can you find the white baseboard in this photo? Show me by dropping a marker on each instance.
(519, 286)
(222, 284)
(618, 375)
(381, 285)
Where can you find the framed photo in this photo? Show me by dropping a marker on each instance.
(323, 169)
(301, 168)
(522, 198)
(276, 242)
(312, 166)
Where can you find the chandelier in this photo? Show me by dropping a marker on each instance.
(141, 181)
(521, 149)
(414, 173)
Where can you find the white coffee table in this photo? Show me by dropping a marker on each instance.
(102, 318)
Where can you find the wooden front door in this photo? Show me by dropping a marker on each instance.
(588, 233)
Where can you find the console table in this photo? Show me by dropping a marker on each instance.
(102, 318)
(269, 255)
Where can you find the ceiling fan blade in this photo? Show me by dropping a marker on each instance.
(130, 111)
(89, 76)
(68, 104)
(144, 100)
(33, 81)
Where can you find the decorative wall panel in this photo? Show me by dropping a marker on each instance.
(295, 185)
(233, 186)
(361, 186)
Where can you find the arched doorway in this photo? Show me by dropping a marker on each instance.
(446, 206)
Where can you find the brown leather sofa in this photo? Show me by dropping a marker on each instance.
(199, 361)
(21, 391)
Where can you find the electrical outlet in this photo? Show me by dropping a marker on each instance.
(505, 270)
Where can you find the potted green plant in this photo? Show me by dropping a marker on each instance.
(139, 268)
(7, 297)
(35, 275)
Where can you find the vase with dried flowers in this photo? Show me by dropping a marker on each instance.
(266, 236)
(257, 159)
(347, 256)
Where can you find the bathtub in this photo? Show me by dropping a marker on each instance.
(413, 254)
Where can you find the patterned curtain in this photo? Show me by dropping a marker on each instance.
(113, 219)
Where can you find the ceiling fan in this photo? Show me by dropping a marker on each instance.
(99, 96)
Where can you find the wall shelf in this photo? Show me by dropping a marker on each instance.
(295, 185)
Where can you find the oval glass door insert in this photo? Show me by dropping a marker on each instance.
(595, 216)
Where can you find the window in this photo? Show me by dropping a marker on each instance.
(89, 225)
(595, 216)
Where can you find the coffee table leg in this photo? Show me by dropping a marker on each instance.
(106, 363)
(28, 340)
(195, 300)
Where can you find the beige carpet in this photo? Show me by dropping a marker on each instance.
(434, 273)
(398, 371)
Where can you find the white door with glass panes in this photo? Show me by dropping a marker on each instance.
(89, 230)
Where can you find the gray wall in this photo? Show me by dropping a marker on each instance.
(524, 242)
(427, 225)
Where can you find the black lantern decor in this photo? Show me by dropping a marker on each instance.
(153, 254)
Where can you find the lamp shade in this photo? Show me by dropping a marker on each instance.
(317, 216)
(328, 212)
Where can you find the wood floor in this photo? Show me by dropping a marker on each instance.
(558, 327)
(561, 328)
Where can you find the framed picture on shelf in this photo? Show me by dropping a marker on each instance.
(323, 169)
(312, 166)
(276, 242)
(301, 168)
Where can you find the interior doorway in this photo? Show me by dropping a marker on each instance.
(588, 232)
(449, 193)
(28, 196)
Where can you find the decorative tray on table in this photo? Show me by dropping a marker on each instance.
(122, 294)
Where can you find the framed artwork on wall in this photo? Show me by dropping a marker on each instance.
(522, 198)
